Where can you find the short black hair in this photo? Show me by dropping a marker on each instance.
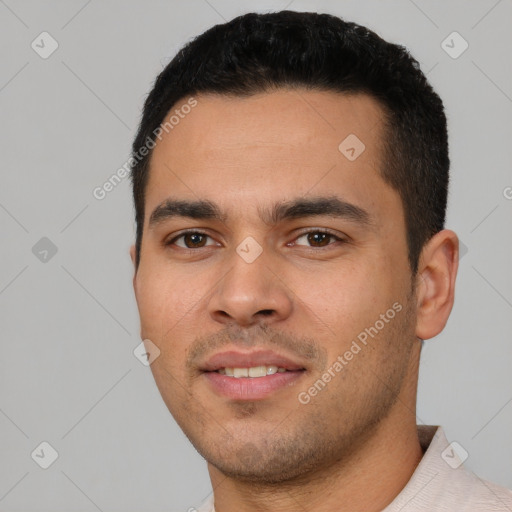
(256, 53)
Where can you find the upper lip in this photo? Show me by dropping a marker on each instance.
(237, 359)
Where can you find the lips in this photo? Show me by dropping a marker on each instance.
(240, 376)
(236, 359)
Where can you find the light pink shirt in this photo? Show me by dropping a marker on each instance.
(440, 482)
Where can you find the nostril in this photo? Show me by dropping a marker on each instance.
(266, 312)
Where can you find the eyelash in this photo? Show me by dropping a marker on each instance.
(201, 233)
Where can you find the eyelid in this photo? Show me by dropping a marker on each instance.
(176, 236)
(339, 237)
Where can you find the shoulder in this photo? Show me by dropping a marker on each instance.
(442, 483)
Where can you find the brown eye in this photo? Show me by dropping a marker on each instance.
(317, 238)
(321, 239)
(190, 240)
(194, 239)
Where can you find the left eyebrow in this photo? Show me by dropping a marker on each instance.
(316, 206)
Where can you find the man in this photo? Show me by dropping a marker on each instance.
(290, 180)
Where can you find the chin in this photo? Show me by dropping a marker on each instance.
(266, 466)
(260, 474)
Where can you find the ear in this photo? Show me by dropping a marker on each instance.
(437, 271)
(132, 256)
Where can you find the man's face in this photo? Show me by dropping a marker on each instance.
(281, 278)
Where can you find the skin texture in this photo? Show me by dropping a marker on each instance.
(306, 297)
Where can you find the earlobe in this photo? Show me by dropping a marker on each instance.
(436, 283)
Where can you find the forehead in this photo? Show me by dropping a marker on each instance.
(271, 146)
(285, 117)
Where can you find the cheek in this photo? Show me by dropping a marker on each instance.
(172, 302)
(160, 300)
(163, 307)
(344, 301)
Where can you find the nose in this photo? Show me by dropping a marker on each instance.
(250, 292)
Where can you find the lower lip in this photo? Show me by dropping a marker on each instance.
(251, 388)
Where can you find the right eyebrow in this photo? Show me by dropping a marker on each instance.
(171, 208)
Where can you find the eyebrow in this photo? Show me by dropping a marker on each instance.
(295, 209)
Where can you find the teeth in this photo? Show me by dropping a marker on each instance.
(240, 372)
(255, 371)
(258, 371)
(272, 369)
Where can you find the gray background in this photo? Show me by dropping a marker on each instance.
(69, 323)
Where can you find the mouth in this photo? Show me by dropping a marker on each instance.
(250, 376)
(253, 372)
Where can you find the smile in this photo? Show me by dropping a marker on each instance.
(239, 375)
(254, 371)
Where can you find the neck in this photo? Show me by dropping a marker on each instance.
(367, 480)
